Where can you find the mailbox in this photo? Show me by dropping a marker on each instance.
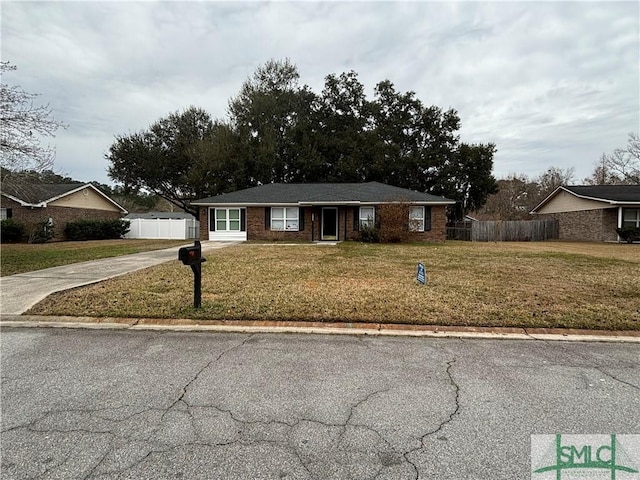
(190, 255)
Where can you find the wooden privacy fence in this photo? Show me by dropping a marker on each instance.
(504, 231)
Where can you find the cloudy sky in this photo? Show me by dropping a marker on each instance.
(550, 83)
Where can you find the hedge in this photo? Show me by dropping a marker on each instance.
(96, 229)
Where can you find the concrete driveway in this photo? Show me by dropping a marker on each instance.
(21, 292)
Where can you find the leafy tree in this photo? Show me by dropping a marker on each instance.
(280, 131)
(271, 116)
(621, 167)
(161, 159)
(23, 125)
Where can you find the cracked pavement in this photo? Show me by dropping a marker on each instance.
(81, 404)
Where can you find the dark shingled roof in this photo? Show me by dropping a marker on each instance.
(615, 193)
(38, 193)
(327, 193)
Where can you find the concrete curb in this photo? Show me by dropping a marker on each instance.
(371, 329)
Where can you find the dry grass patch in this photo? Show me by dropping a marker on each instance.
(505, 284)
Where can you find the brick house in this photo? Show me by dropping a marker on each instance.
(56, 204)
(318, 212)
(592, 212)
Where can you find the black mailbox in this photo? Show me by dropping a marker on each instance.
(190, 255)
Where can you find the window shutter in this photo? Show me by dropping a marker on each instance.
(301, 219)
(9, 212)
(212, 219)
(376, 217)
(267, 218)
(356, 219)
(427, 219)
(243, 219)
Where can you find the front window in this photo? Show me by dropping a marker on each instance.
(416, 219)
(228, 219)
(284, 218)
(367, 217)
(631, 217)
(5, 213)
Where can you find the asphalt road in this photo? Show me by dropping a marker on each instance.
(82, 404)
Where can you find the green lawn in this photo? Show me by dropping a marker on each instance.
(552, 284)
(20, 258)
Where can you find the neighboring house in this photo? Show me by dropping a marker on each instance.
(163, 225)
(592, 212)
(57, 204)
(317, 211)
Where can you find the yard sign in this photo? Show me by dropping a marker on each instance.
(422, 274)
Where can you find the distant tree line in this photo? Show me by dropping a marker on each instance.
(518, 194)
(278, 130)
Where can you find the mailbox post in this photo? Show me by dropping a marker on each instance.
(192, 256)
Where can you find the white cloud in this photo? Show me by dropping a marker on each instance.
(551, 83)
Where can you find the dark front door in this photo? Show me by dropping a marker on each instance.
(329, 223)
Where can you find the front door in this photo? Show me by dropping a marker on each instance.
(329, 223)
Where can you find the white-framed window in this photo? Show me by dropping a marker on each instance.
(285, 219)
(631, 217)
(367, 217)
(5, 213)
(416, 219)
(228, 219)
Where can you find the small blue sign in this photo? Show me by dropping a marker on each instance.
(422, 274)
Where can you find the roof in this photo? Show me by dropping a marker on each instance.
(323, 194)
(611, 194)
(39, 195)
(162, 215)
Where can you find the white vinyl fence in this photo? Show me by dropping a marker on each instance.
(164, 228)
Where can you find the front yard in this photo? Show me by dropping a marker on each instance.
(549, 284)
(22, 257)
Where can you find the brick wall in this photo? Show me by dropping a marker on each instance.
(313, 228)
(587, 225)
(60, 215)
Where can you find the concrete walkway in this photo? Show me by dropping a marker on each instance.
(22, 291)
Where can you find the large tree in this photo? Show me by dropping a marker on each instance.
(281, 131)
(272, 116)
(23, 126)
(161, 159)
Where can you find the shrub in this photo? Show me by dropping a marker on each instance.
(629, 234)
(369, 234)
(40, 232)
(11, 231)
(394, 222)
(96, 229)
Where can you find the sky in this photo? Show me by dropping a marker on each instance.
(549, 83)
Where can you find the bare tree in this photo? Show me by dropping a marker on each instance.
(23, 125)
(621, 167)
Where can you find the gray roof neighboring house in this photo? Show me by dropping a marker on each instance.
(610, 194)
(323, 194)
(40, 195)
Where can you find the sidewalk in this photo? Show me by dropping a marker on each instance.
(20, 292)
(371, 329)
